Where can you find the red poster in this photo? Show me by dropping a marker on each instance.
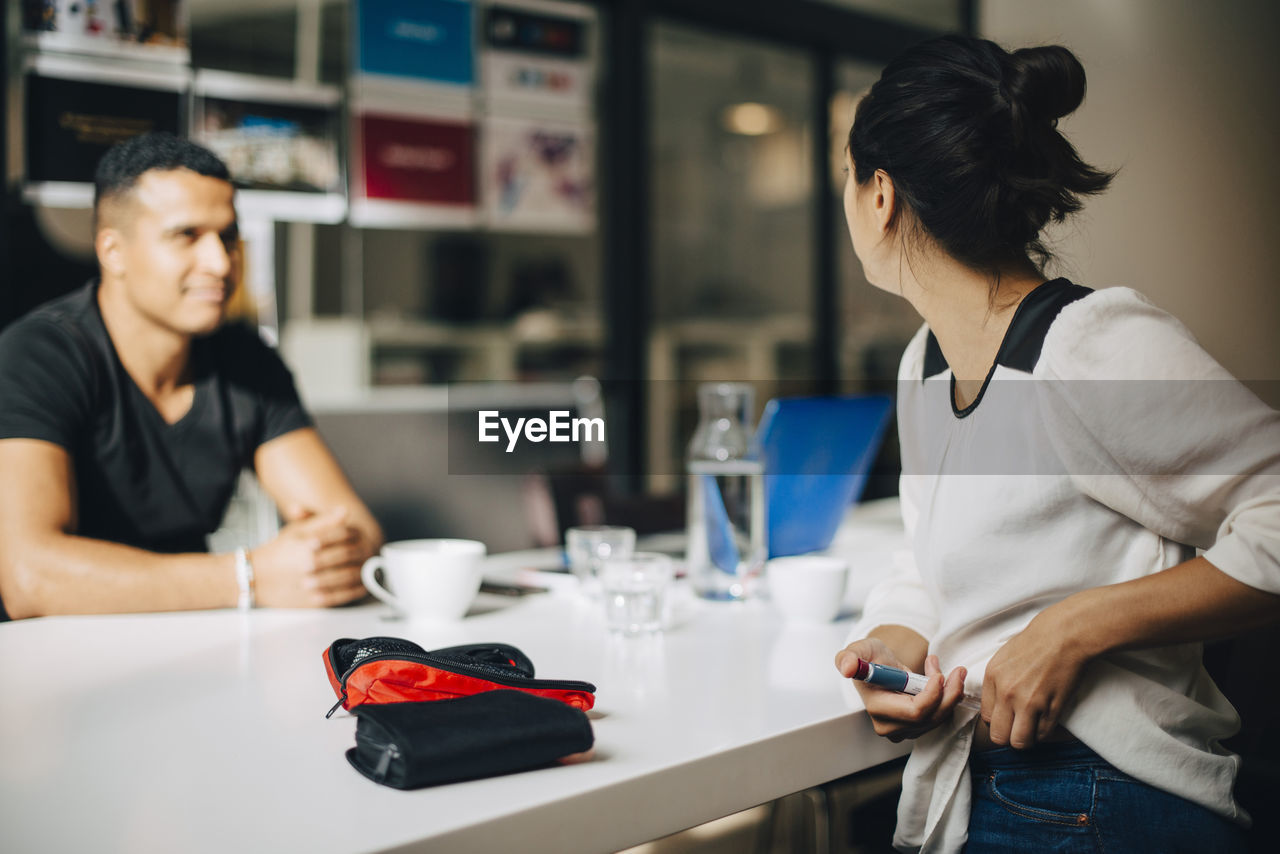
(418, 160)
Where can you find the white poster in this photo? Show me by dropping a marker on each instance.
(539, 175)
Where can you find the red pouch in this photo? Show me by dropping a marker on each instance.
(393, 670)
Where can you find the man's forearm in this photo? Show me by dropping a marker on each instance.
(1193, 601)
(65, 574)
(302, 476)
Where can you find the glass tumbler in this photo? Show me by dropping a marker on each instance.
(588, 546)
(635, 592)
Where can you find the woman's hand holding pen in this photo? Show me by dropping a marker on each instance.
(895, 715)
(1030, 679)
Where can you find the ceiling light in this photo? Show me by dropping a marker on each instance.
(751, 119)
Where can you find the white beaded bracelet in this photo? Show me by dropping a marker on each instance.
(244, 578)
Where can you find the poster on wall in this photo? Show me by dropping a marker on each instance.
(412, 169)
(535, 59)
(70, 123)
(539, 175)
(428, 41)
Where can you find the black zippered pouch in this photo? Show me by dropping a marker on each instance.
(394, 670)
(416, 744)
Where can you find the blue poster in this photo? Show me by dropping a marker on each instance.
(427, 40)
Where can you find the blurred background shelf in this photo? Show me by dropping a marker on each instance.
(106, 47)
(283, 206)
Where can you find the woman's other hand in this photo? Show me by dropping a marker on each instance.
(897, 716)
(1030, 679)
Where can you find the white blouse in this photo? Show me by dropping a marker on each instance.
(1105, 445)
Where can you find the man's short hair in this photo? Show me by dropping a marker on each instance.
(124, 163)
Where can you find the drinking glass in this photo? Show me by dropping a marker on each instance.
(588, 546)
(635, 592)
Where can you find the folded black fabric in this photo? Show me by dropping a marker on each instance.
(410, 745)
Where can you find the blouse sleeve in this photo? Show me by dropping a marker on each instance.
(1148, 424)
(902, 598)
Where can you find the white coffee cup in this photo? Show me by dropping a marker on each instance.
(807, 588)
(426, 579)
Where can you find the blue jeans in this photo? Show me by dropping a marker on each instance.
(1064, 797)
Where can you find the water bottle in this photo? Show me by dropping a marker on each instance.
(727, 530)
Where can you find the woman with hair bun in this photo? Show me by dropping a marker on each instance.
(1065, 452)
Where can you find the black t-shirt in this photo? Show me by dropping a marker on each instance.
(139, 480)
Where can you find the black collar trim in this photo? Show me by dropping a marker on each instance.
(1023, 340)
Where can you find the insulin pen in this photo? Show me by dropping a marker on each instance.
(902, 681)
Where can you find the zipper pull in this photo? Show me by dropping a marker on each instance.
(384, 762)
(341, 700)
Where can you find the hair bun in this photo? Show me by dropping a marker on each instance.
(1046, 82)
(967, 132)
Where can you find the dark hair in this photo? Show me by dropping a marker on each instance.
(125, 162)
(968, 133)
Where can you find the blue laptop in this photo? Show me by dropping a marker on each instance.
(817, 454)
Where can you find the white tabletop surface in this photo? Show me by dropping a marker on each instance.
(205, 731)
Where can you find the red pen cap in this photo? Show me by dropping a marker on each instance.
(862, 671)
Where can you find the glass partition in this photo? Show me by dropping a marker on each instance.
(732, 219)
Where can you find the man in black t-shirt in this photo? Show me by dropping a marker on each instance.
(128, 410)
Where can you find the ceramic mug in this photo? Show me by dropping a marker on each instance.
(807, 588)
(427, 579)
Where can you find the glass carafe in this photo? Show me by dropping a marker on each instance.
(727, 531)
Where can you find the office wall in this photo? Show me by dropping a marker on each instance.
(1182, 97)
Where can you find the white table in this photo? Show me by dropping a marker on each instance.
(206, 731)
